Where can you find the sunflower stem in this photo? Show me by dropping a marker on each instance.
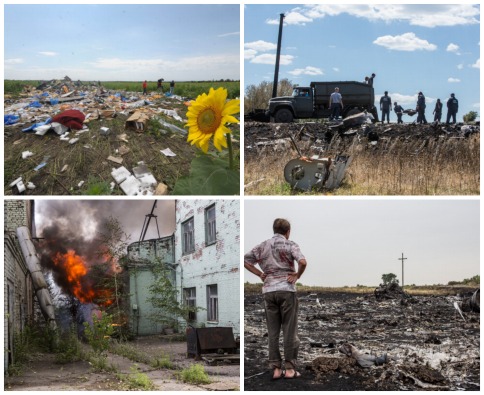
(231, 151)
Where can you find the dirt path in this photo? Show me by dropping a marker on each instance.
(42, 373)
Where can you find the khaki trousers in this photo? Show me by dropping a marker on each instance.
(281, 313)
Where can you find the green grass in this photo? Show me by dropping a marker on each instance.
(189, 89)
(136, 380)
(195, 374)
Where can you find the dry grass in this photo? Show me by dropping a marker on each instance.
(396, 166)
(250, 289)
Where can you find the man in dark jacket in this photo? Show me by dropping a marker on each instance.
(438, 111)
(399, 111)
(421, 108)
(452, 108)
(385, 107)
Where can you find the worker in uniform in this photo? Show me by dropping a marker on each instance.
(452, 108)
(399, 111)
(385, 106)
(421, 108)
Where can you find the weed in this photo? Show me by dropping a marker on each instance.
(128, 351)
(99, 363)
(162, 363)
(96, 187)
(69, 348)
(195, 374)
(137, 380)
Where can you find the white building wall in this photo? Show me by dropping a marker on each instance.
(216, 263)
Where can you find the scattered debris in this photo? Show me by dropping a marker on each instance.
(363, 359)
(167, 152)
(26, 154)
(115, 160)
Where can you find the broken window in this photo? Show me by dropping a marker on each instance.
(188, 237)
(212, 303)
(191, 301)
(210, 228)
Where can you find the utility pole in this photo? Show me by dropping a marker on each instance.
(278, 55)
(402, 259)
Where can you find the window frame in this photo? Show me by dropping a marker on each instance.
(190, 300)
(209, 225)
(186, 249)
(212, 303)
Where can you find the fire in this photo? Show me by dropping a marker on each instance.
(76, 270)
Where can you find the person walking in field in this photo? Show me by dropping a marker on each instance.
(172, 87)
(145, 88)
(421, 108)
(276, 257)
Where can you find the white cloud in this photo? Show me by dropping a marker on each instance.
(260, 46)
(477, 65)
(229, 34)
(460, 66)
(14, 61)
(292, 18)
(453, 80)
(249, 53)
(336, 69)
(308, 70)
(268, 58)
(452, 48)
(48, 53)
(476, 105)
(426, 15)
(405, 42)
(406, 101)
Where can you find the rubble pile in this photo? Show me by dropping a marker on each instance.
(85, 114)
(354, 342)
(390, 291)
(328, 136)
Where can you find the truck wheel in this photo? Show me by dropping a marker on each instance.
(283, 116)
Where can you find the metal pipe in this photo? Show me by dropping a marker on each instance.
(278, 55)
(38, 280)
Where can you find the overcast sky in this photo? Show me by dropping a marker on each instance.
(122, 42)
(350, 242)
(430, 48)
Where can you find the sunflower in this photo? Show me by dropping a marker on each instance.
(207, 117)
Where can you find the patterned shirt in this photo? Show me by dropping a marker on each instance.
(276, 258)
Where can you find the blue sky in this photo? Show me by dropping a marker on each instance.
(430, 48)
(122, 42)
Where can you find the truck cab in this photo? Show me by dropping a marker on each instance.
(313, 101)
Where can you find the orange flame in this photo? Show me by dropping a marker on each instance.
(76, 268)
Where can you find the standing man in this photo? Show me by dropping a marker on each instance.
(369, 81)
(145, 88)
(438, 111)
(276, 258)
(172, 87)
(452, 108)
(421, 108)
(399, 111)
(335, 104)
(160, 85)
(385, 106)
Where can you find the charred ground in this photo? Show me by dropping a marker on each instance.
(387, 159)
(428, 344)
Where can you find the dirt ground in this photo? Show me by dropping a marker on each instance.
(87, 159)
(43, 374)
(428, 345)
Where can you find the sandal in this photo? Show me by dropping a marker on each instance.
(295, 376)
(280, 376)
